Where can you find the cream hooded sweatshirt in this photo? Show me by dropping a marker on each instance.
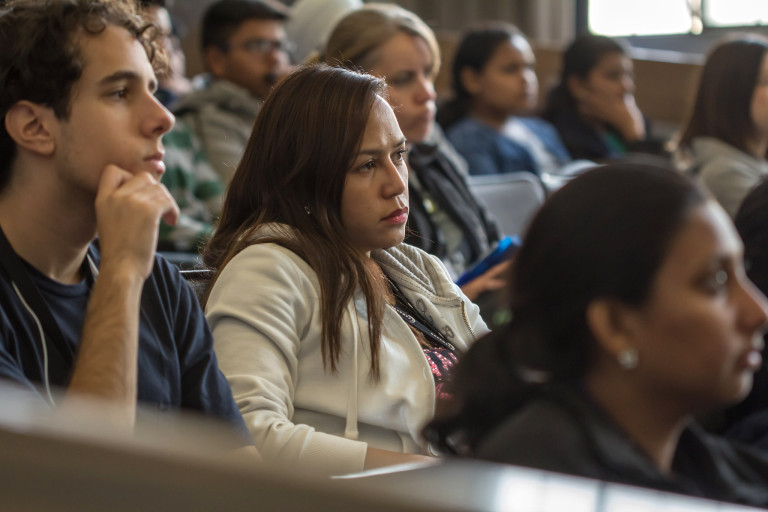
(264, 311)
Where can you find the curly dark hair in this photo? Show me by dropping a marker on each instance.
(41, 58)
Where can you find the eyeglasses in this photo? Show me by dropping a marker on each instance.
(261, 46)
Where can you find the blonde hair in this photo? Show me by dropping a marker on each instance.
(354, 41)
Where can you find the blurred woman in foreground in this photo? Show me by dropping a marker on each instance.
(631, 314)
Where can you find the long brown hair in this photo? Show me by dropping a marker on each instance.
(723, 102)
(293, 171)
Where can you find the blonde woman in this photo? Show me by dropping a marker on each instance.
(445, 218)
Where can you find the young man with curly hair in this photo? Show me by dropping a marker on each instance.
(81, 157)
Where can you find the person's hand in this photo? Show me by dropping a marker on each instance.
(493, 279)
(620, 112)
(128, 212)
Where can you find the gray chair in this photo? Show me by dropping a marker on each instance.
(512, 198)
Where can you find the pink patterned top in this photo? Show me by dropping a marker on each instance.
(441, 362)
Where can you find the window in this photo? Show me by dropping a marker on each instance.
(643, 17)
(728, 13)
(655, 17)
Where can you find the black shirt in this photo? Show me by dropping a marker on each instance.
(564, 431)
(177, 367)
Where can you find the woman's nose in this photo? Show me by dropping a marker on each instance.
(754, 307)
(426, 90)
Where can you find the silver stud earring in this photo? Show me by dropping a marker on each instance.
(306, 209)
(628, 358)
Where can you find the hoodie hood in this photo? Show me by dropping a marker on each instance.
(225, 95)
(708, 149)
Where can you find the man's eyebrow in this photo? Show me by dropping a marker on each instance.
(396, 145)
(119, 76)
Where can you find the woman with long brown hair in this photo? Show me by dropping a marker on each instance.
(727, 133)
(334, 336)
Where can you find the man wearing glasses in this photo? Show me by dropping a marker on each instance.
(246, 52)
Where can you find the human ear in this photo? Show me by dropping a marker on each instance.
(609, 322)
(215, 61)
(30, 127)
(470, 80)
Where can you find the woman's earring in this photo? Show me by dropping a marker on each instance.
(628, 358)
(306, 209)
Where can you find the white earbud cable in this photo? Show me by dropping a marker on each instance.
(95, 271)
(42, 342)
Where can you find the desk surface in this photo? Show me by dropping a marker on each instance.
(61, 463)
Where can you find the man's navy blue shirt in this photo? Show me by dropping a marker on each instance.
(177, 367)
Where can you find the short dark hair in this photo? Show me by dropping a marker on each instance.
(41, 58)
(223, 18)
(475, 50)
(579, 59)
(586, 51)
(723, 102)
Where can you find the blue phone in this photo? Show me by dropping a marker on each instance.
(503, 250)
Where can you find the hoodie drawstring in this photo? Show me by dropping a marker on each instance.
(351, 431)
